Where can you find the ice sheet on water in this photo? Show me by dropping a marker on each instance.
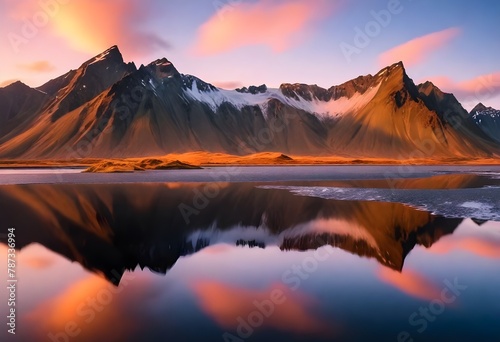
(480, 203)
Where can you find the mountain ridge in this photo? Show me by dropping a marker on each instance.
(109, 108)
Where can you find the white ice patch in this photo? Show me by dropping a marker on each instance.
(457, 203)
(333, 108)
(100, 57)
(153, 86)
(475, 205)
(232, 235)
(212, 98)
(382, 72)
(263, 234)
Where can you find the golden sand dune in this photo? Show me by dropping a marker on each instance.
(142, 165)
(199, 159)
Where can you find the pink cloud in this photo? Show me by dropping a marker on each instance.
(54, 314)
(475, 90)
(225, 303)
(91, 305)
(7, 82)
(38, 66)
(277, 25)
(410, 282)
(38, 262)
(417, 50)
(482, 246)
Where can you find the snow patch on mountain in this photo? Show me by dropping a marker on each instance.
(262, 233)
(323, 109)
(493, 113)
(102, 56)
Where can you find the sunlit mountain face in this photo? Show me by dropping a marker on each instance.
(107, 108)
(212, 254)
(249, 171)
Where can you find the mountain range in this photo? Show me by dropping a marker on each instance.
(108, 108)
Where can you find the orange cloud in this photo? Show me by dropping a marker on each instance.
(410, 282)
(416, 50)
(479, 246)
(89, 307)
(226, 303)
(39, 66)
(478, 89)
(277, 25)
(37, 262)
(7, 82)
(93, 26)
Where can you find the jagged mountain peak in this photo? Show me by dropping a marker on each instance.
(379, 115)
(398, 65)
(88, 81)
(16, 85)
(111, 55)
(394, 69)
(163, 68)
(444, 104)
(429, 88)
(19, 104)
(194, 83)
(488, 120)
(479, 108)
(305, 91)
(482, 108)
(429, 91)
(393, 77)
(161, 62)
(358, 85)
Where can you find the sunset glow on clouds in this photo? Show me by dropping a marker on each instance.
(409, 282)
(89, 26)
(7, 82)
(252, 42)
(417, 50)
(112, 24)
(72, 305)
(226, 303)
(481, 88)
(479, 241)
(38, 66)
(277, 25)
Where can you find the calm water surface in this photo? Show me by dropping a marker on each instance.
(264, 254)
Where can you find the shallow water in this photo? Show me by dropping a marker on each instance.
(271, 254)
(241, 174)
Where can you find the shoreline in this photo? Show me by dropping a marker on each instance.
(193, 160)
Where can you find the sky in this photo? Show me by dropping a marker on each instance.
(234, 43)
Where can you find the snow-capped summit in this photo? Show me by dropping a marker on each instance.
(122, 111)
(111, 55)
(481, 110)
(487, 119)
(163, 68)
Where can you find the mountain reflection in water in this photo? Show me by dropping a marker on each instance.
(336, 265)
(111, 228)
